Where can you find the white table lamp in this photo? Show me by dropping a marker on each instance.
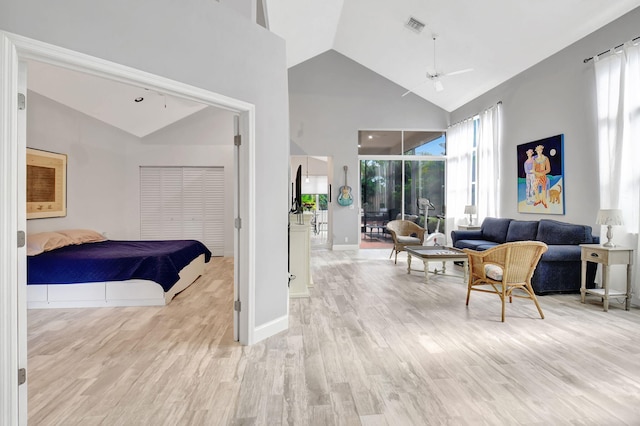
(609, 217)
(470, 210)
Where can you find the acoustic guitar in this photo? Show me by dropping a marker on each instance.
(345, 198)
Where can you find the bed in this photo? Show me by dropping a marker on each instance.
(75, 272)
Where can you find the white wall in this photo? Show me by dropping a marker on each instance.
(204, 139)
(556, 96)
(207, 45)
(331, 98)
(244, 7)
(95, 166)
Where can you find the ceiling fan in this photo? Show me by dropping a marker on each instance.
(436, 76)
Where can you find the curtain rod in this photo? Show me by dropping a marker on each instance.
(607, 51)
(470, 117)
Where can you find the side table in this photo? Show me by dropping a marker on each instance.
(470, 227)
(606, 256)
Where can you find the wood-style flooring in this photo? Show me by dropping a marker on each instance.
(372, 346)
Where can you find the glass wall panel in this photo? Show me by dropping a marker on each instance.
(381, 191)
(424, 179)
(424, 143)
(371, 142)
(397, 175)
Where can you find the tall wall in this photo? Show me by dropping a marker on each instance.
(557, 96)
(331, 98)
(95, 166)
(206, 45)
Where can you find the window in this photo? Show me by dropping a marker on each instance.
(397, 168)
(474, 157)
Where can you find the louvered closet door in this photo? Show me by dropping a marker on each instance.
(183, 203)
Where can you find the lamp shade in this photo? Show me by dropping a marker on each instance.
(610, 217)
(470, 209)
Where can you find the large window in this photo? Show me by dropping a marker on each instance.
(397, 170)
(474, 158)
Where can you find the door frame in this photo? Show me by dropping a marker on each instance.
(15, 48)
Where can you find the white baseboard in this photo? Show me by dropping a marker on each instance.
(269, 329)
(343, 247)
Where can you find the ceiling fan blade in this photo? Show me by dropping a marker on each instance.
(414, 88)
(458, 72)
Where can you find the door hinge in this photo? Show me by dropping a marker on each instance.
(238, 223)
(21, 239)
(22, 376)
(237, 306)
(237, 140)
(22, 101)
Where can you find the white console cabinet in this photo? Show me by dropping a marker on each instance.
(300, 255)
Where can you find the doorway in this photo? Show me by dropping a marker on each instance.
(398, 170)
(315, 195)
(12, 252)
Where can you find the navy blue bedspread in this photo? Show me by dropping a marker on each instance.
(158, 261)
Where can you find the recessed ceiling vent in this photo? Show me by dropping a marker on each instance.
(414, 25)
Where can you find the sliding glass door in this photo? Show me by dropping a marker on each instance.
(381, 192)
(402, 176)
(424, 198)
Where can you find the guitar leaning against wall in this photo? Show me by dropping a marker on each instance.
(345, 198)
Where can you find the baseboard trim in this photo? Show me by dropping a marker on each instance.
(269, 329)
(344, 247)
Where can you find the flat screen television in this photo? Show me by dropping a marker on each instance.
(296, 204)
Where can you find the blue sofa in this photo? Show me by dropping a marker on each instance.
(559, 270)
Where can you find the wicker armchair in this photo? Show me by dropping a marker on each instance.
(505, 268)
(404, 233)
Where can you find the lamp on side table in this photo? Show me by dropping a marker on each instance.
(470, 210)
(609, 217)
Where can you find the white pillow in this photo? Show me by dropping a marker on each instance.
(45, 241)
(493, 271)
(80, 236)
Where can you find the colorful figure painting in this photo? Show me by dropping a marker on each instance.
(541, 176)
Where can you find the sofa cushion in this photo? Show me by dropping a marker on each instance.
(495, 229)
(408, 240)
(553, 232)
(522, 230)
(478, 245)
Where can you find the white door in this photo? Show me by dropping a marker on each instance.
(13, 327)
(22, 251)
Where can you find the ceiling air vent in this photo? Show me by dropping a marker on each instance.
(414, 25)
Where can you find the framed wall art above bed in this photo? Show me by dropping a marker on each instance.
(46, 184)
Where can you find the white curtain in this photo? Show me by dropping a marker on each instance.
(459, 163)
(488, 162)
(618, 96)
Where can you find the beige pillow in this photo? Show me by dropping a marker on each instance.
(45, 241)
(80, 236)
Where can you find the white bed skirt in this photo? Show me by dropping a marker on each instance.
(111, 293)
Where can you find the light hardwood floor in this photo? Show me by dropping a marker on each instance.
(372, 346)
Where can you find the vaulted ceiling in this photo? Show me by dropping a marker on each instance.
(497, 38)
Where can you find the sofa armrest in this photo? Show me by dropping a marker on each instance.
(462, 234)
